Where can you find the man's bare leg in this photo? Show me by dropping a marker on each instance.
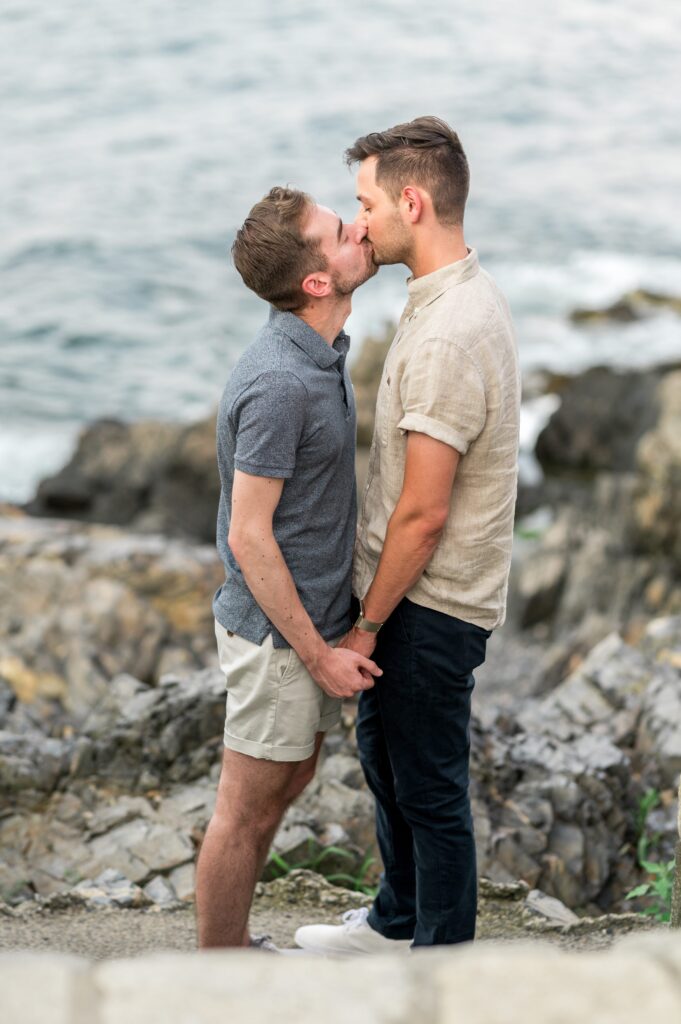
(253, 795)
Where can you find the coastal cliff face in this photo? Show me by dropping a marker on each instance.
(110, 734)
(111, 702)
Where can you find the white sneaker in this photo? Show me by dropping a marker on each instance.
(355, 936)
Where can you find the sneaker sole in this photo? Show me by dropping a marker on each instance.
(325, 951)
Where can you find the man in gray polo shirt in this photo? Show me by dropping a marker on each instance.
(285, 532)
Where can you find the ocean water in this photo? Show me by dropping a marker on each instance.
(136, 136)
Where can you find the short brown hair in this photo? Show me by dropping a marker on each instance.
(425, 151)
(270, 251)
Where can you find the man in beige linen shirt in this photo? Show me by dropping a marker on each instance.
(434, 540)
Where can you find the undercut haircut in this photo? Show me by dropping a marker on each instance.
(270, 251)
(424, 152)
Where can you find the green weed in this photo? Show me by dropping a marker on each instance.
(357, 881)
(660, 873)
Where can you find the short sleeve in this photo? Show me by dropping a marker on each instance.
(269, 417)
(443, 394)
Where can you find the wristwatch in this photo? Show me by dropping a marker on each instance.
(366, 624)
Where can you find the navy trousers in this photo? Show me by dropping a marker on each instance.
(414, 742)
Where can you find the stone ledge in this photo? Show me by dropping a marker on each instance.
(640, 979)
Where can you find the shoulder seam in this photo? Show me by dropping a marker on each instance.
(264, 373)
(462, 350)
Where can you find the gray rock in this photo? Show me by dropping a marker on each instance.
(161, 892)
(188, 807)
(602, 415)
(611, 679)
(134, 750)
(108, 816)
(343, 768)
(7, 701)
(511, 855)
(659, 735)
(183, 881)
(331, 801)
(661, 640)
(548, 908)
(107, 852)
(158, 846)
(657, 505)
(31, 762)
(90, 603)
(632, 305)
(538, 587)
(15, 883)
(156, 476)
(111, 889)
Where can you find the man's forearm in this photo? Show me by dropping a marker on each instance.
(270, 581)
(410, 541)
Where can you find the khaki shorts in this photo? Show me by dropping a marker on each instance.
(274, 707)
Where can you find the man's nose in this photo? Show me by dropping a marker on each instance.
(360, 230)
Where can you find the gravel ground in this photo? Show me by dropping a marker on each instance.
(279, 908)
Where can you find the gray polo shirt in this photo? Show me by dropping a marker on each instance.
(288, 411)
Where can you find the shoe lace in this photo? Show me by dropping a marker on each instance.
(355, 918)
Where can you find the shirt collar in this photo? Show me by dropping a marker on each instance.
(307, 339)
(424, 290)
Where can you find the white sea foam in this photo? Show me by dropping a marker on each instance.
(28, 453)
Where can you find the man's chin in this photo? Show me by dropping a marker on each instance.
(381, 261)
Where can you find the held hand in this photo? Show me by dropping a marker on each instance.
(341, 672)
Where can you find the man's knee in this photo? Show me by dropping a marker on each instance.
(245, 819)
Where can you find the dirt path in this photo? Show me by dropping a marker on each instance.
(278, 909)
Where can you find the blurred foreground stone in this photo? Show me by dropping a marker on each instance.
(640, 979)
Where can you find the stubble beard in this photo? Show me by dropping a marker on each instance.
(396, 248)
(346, 285)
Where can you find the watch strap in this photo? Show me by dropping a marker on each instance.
(364, 623)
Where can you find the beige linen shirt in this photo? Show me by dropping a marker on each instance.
(452, 373)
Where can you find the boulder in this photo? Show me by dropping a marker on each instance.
(159, 477)
(602, 415)
(633, 305)
(657, 502)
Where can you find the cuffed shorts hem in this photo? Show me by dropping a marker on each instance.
(266, 752)
(269, 752)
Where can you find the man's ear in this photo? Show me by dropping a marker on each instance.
(412, 204)
(317, 285)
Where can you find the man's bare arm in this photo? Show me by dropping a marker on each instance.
(253, 544)
(413, 531)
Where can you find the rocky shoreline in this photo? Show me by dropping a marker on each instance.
(111, 700)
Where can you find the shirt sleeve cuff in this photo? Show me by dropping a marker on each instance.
(421, 424)
(253, 469)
